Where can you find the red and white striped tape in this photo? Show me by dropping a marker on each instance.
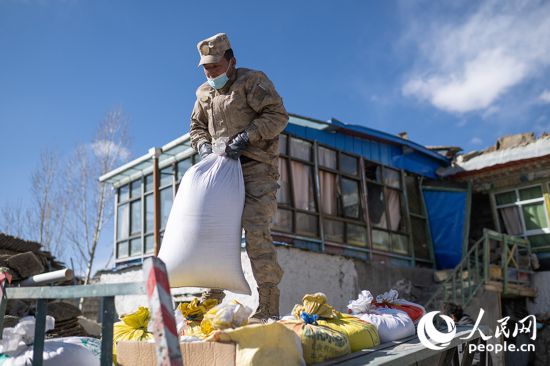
(162, 313)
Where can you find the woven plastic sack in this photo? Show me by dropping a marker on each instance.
(319, 343)
(392, 324)
(202, 242)
(361, 334)
(263, 344)
(225, 316)
(193, 313)
(391, 300)
(67, 351)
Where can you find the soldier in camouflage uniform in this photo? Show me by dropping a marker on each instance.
(242, 105)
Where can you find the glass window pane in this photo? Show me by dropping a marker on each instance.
(534, 216)
(136, 188)
(148, 182)
(357, 235)
(350, 197)
(123, 193)
(135, 222)
(395, 209)
(283, 220)
(334, 230)
(392, 177)
(135, 247)
(380, 240)
(122, 250)
(505, 198)
(306, 225)
(413, 195)
(420, 238)
(165, 205)
(377, 205)
(348, 164)
(166, 175)
(123, 218)
(510, 221)
(183, 165)
(538, 241)
(283, 193)
(327, 158)
(302, 176)
(400, 244)
(149, 213)
(149, 244)
(300, 149)
(283, 139)
(329, 195)
(530, 193)
(373, 171)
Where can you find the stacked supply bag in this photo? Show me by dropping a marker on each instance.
(16, 347)
(391, 300)
(189, 316)
(392, 324)
(132, 327)
(326, 333)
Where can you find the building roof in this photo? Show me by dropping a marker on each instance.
(11, 245)
(507, 150)
(400, 153)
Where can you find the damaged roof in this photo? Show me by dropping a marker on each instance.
(508, 149)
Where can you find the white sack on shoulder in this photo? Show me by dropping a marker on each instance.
(202, 242)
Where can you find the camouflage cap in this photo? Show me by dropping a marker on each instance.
(213, 48)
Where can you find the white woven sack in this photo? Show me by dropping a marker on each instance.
(392, 324)
(202, 242)
(68, 351)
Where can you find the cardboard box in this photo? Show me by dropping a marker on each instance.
(133, 353)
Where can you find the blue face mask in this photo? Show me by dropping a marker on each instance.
(219, 81)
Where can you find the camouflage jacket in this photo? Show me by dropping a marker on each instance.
(248, 102)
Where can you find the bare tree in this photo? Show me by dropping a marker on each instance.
(47, 212)
(13, 220)
(89, 204)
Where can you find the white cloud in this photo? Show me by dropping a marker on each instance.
(476, 141)
(467, 66)
(545, 96)
(102, 148)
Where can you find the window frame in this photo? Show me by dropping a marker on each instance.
(544, 187)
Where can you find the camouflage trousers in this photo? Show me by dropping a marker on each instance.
(260, 206)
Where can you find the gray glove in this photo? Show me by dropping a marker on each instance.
(205, 149)
(236, 145)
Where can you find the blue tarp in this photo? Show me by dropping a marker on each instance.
(446, 215)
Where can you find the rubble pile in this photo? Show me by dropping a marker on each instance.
(23, 259)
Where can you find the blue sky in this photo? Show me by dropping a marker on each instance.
(450, 73)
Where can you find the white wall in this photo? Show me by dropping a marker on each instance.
(304, 272)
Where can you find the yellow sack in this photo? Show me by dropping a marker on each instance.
(132, 327)
(319, 343)
(315, 304)
(263, 344)
(225, 316)
(193, 313)
(361, 334)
